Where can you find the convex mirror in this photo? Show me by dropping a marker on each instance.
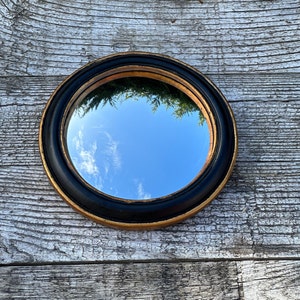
(138, 140)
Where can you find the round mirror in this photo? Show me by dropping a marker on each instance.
(138, 140)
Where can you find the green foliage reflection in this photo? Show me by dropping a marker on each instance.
(155, 92)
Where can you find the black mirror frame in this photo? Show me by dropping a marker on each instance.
(154, 213)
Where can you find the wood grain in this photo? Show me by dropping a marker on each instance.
(257, 214)
(276, 280)
(207, 280)
(248, 280)
(245, 245)
(53, 38)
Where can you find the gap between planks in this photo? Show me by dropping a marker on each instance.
(150, 261)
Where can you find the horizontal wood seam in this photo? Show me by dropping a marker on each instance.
(151, 261)
(244, 73)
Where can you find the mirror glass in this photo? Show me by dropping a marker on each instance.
(137, 138)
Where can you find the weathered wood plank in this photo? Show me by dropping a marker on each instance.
(249, 280)
(247, 220)
(207, 280)
(270, 280)
(46, 38)
(257, 215)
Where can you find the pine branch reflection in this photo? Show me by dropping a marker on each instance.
(155, 92)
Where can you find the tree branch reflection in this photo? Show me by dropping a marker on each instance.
(155, 92)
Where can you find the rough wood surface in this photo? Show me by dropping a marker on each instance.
(250, 49)
(274, 280)
(55, 37)
(256, 215)
(249, 280)
(214, 280)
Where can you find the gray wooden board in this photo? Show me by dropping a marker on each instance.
(250, 49)
(55, 37)
(208, 280)
(274, 280)
(257, 214)
(249, 280)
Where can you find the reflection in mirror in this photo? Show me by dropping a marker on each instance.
(137, 138)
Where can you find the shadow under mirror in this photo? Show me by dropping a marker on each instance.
(137, 138)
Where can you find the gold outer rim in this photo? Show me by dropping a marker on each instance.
(181, 83)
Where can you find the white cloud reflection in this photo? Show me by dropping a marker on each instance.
(113, 154)
(85, 161)
(141, 192)
(94, 163)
